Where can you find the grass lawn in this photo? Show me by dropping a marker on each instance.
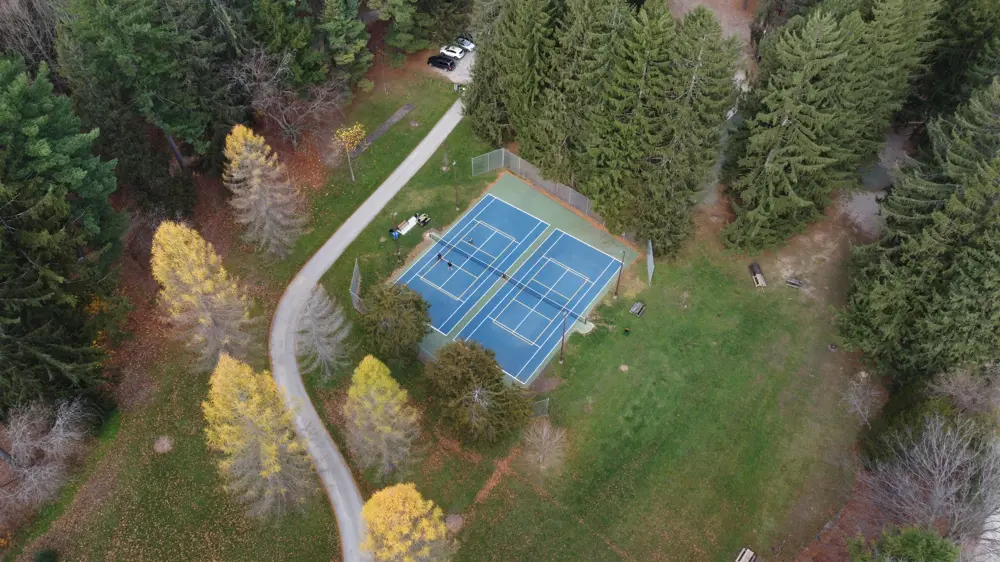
(689, 438)
(139, 505)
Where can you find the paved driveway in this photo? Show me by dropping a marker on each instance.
(463, 70)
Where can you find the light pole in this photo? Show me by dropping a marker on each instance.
(620, 270)
(562, 346)
(454, 166)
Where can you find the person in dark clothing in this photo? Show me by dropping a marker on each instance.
(449, 266)
(439, 256)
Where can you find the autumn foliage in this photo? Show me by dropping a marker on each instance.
(403, 526)
(263, 461)
(198, 294)
(381, 426)
(266, 202)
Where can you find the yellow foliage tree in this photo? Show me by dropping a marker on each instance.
(381, 426)
(266, 203)
(198, 294)
(404, 527)
(349, 138)
(263, 460)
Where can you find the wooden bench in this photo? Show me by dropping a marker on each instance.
(638, 308)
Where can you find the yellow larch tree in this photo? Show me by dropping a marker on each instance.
(404, 527)
(266, 202)
(263, 461)
(199, 296)
(381, 425)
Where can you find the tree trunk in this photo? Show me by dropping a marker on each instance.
(177, 152)
(7, 458)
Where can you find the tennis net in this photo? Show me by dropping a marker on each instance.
(507, 278)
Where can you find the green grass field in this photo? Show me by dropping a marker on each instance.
(688, 437)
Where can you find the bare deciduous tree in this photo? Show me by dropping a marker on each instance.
(861, 397)
(266, 80)
(973, 391)
(28, 28)
(945, 478)
(43, 441)
(545, 445)
(323, 329)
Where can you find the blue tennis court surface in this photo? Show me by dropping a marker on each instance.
(523, 321)
(487, 240)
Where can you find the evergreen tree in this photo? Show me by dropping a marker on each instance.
(905, 545)
(381, 425)
(922, 300)
(265, 200)
(625, 126)
(277, 25)
(406, 31)
(486, 100)
(346, 38)
(264, 462)
(965, 28)
(475, 393)
(587, 47)
(153, 58)
(198, 294)
(58, 237)
(526, 41)
(788, 149)
(685, 143)
(396, 318)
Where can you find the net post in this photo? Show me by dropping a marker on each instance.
(620, 270)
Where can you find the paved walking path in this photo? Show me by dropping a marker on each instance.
(330, 464)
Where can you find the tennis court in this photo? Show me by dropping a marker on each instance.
(523, 321)
(460, 268)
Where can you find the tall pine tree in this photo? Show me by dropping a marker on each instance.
(486, 100)
(788, 150)
(58, 236)
(923, 299)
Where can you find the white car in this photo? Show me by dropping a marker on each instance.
(452, 51)
(465, 44)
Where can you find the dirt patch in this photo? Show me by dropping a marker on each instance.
(502, 469)
(454, 447)
(546, 383)
(733, 16)
(454, 523)
(164, 444)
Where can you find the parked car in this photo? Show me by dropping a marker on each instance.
(452, 51)
(465, 43)
(444, 63)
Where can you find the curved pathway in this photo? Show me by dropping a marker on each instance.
(330, 464)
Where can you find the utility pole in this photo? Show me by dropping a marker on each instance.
(454, 166)
(620, 270)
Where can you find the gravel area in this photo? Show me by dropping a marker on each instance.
(463, 70)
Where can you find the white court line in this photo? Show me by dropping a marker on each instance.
(468, 258)
(569, 269)
(430, 264)
(540, 302)
(442, 289)
(489, 198)
(489, 315)
(591, 303)
(592, 246)
(562, 310)
(544, 226)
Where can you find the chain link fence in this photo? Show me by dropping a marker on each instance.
(503, 158)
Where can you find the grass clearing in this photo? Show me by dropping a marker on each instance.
(698, 448)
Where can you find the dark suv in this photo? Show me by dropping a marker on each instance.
(443, 63)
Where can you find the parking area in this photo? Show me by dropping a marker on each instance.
(463, 69)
